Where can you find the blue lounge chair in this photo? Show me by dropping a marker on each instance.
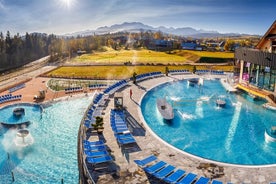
(123, 136)
(99, 160)
(216, 182)
(156, 167)
(94, 148)
(113, 122)
(119, 127)
(94, 143)
(202, 180)
(188, 179)
(119, 131)
(174, 177)
(164, 172)
(95, 153)
(126, 141)
(145, 161)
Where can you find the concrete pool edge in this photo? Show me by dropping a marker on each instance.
(181, 151)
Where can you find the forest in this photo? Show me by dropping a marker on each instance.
(17, 50)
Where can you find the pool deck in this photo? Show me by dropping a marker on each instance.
(123, 169)
(148, 143)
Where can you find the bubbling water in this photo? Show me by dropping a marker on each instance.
(15, 139)
(23, 138)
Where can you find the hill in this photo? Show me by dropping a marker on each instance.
(138, 27)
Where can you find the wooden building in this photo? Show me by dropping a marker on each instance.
(258, 66)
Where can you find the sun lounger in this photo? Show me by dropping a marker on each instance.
(126, 141)
(96, 153)
(174, 177)
(120, 131)
(164, 172)
(156, 167)
(202, 180)
(145, 161)
(99, 160)
(188, 179)
(119, 122)
(123, 136)
(94, 148)
(93, 143)
(216, 182)
(118, 126)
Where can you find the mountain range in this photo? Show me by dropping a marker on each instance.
(133, 27)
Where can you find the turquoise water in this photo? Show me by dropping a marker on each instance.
(234, 134)
(52, 155)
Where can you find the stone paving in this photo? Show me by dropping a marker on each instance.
(126, 171)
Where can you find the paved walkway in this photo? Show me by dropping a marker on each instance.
(148, 143)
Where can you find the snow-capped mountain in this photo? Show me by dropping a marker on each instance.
(138, 27)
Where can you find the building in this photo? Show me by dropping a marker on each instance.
(258, 66)
(160, 45)
(189, 45)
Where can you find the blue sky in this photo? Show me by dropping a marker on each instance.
(67, 16)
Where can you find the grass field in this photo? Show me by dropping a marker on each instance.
(209, 54)
(120, 72)
(134, 56)
(150, 61)
(148, 57)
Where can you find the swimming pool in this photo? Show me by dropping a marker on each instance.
(234, 134)
(52, 156)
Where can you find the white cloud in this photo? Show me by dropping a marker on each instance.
(2, 6)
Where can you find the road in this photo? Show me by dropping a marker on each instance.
(29, 71)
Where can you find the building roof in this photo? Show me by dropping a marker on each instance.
(266, 36)
(256, 56)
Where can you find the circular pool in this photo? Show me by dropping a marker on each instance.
(232, 134)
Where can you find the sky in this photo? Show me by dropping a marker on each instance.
(69, 16)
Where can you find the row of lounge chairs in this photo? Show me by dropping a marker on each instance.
(91, 115)
(100, 99)
(96, 152)
(217, 72)
(9, 97)
(97, 86)
(95, 109)
(148, 75)
(120, 128)
(213, 72)
(179, 72)
(97, 98)
(73, 89)
(20, 86)
(169, 174)
(111, 89)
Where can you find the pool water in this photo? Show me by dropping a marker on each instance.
(233, 134)
(52, 156)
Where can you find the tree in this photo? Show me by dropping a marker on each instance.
(98, 125)
(167, 71)
(194, 69)
(2, 43)
(134, 77)
(229, 45)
